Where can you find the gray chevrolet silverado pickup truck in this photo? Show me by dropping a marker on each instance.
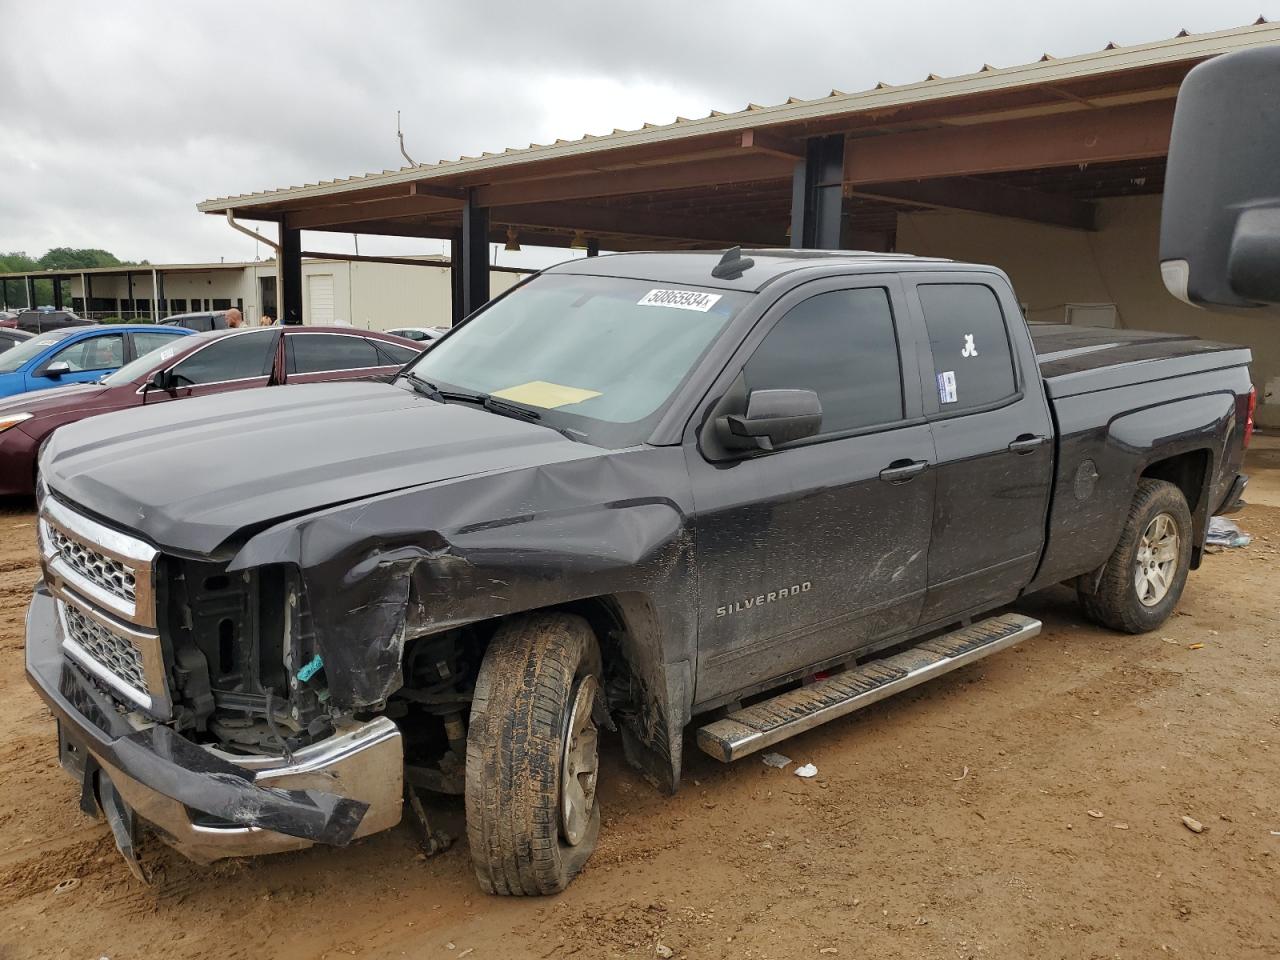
(726, 494)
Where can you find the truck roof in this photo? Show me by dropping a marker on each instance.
(1077, 359)
(693, 267)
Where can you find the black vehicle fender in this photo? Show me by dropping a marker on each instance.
(1201, 424)
(1085, 528)
(383, 571)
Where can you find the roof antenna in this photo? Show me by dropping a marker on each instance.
(732, 265)
(400, 135)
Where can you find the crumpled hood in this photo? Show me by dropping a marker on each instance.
(189, 475)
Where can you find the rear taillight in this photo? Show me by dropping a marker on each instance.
(1248, 417)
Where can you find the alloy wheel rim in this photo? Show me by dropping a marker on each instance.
(580, 764)
(1157, 560)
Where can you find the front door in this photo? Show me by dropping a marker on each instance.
(820, 547)
(88, 359)
(234, 361)
(993, 435)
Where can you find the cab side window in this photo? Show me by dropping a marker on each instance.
(972, 359)
(841, 345)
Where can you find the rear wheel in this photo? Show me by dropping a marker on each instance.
(1144, 577)
(532, 757)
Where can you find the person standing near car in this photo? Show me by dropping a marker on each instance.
(234, 319)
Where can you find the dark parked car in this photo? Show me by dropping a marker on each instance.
(199, 322)
(650, 491)
(194, 365)
(11, 338)
(43, 320)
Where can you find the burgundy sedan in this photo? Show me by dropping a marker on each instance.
(195, 366)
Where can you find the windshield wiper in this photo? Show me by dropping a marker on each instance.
(425, 387)
(492, 404)
(497, 405)
(504, 408)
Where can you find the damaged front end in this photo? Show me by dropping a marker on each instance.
(193, 700)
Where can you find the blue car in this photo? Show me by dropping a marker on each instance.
(78, 355)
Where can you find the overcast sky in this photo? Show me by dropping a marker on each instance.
(117, 118)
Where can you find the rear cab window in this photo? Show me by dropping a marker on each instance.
(969, 341)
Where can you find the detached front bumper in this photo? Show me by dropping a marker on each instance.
(206, 803)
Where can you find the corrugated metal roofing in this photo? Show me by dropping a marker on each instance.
(1048, 69)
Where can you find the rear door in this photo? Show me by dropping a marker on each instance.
(143, 342)
(315, 356)
(993, 439)
(815, 550)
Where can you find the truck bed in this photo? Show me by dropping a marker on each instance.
(1076, 360)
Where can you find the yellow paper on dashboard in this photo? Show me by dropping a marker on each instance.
(540, 393)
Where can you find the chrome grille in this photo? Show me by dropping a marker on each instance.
(109, 649)
(103, 580)
(111, 575)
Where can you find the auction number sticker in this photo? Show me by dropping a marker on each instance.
(947, 386)
(679, 299)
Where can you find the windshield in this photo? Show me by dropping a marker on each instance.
(11, 360)
(134, 369)
(599, 356)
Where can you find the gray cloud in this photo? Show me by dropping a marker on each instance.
(147, 108)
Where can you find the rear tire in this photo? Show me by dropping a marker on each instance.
(1144, 577)
(532, 813)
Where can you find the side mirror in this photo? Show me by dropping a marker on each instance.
(773, 417)
(1220, 224)
(160, 380)
(57, 369)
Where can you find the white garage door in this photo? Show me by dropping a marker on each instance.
(320, 299)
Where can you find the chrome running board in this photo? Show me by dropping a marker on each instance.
(763, 724)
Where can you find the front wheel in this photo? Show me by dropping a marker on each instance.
(532, 757)
(1144, 577)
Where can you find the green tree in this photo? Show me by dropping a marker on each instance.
(70, 259)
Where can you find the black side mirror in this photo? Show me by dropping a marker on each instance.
(1220, 224)
(160, 380)
(58, 368)
(773, 417)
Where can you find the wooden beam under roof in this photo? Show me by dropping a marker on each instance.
(1063, 139)
(642, 179)
(985, 196)
(620, 221)
(391, 208)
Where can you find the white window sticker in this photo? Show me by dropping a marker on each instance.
(970, 348)
(679, 299)
(947, 386)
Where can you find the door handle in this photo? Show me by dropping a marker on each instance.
(1025, 444)
(900, 471)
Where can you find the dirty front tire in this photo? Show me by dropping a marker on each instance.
(1144, 577)
(532, 813)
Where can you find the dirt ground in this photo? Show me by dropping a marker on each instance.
(1026, 806)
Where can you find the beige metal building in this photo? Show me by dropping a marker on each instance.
(376, 293)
